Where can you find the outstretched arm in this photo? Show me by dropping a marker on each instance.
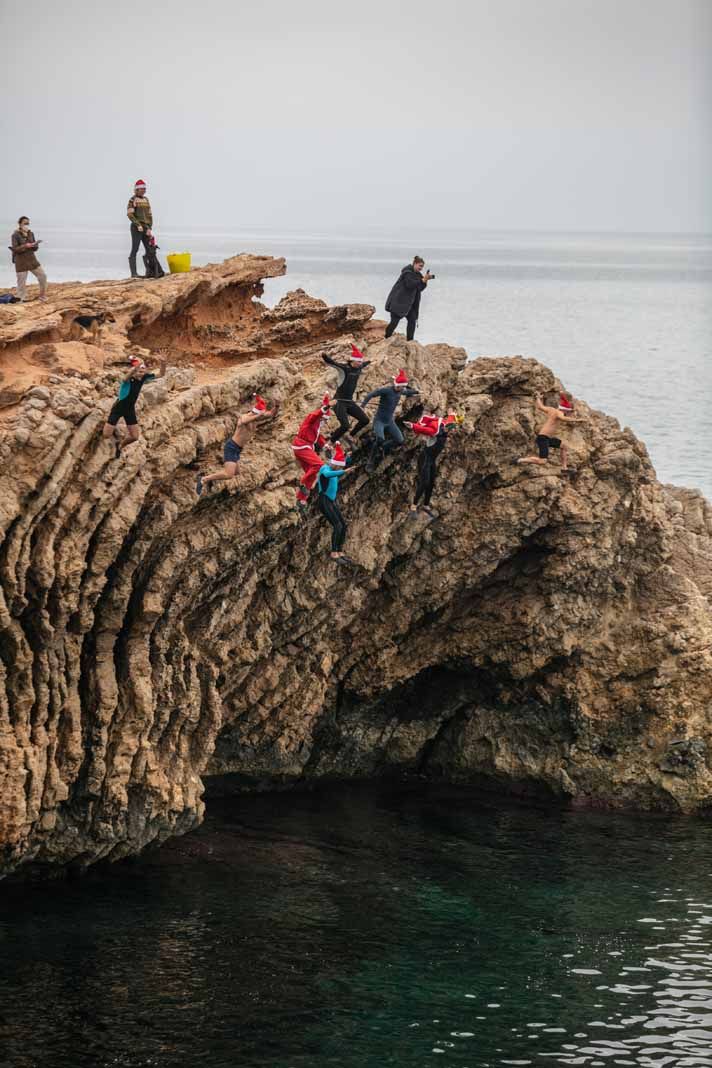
(333, 363)
(423, 428)
(375, 393)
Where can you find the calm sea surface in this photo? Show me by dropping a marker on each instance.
(362, 928)
(625, 321)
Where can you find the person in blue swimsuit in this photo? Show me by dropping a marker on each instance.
(327, 481)
(245, 430)
(125, 406)
(389, 398)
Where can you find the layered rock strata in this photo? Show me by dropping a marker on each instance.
(545, 632)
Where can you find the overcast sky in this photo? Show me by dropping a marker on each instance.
(311, 115)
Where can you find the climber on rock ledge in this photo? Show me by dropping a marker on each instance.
(330, 474)
(245, 430)
(125, 407)
(389, 398)
(306, 446)
(545, 439)
(434, 428)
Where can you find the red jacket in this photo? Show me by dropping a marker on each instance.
(429, 424)
(309, 433)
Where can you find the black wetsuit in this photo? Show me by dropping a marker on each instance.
(346, 406)
(427, 467)
(125, 407)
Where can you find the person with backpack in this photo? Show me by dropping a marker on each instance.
(125, 406)
(141, 219)
(404, 299)
(23, 247)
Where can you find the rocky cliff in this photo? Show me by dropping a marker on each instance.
(544, 633)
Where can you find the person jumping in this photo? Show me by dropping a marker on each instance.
(306, 446)
(545, 439)
(389, 399)
(434, 428)
(328, 478)
(346, 406)
(125, 406)
(247, 425)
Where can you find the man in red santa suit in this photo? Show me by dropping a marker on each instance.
(306, 447)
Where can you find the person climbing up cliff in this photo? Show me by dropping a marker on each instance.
(545, 439)
(23, 247)
(346, 406)
(389, 398)
(435, 429)
(307, 444)
(247, 425)
(404, 298)
(125, 407)
(329, 476)
(141, 219)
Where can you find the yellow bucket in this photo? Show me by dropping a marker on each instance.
(178, 262)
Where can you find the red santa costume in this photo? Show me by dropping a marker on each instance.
(310, 438)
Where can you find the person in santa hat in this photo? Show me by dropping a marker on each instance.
(306, 446)
(328, 479)
(141, 219)
(434, 428)
(246, 428)
(546, 438)
(125, 406)
(346, 406)
(389, 397)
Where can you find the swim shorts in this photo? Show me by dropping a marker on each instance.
(126, 410)
(545, 444)
(231, 452)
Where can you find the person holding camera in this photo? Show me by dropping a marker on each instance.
(404, 299)
(23, 247)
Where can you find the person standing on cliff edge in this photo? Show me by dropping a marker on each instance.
(141, 218)
(23, 248)
(404, 299)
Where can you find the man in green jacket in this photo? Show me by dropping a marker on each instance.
(139, 212)
(23, 247)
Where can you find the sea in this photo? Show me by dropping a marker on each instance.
(408, 926)
(624, 320)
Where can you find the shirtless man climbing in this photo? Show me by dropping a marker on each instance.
(546, 438)
(245, 430)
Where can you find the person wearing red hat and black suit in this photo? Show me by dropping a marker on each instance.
(346, 406)
(141, 217)
(434, 428)
(404, 298)
(125, 406)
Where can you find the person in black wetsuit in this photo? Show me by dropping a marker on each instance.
(125, 406)
(388, 400)
(434, 429)
(346, 406)
(404, 297)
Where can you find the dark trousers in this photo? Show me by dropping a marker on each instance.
(345, 410)
(137, 236)
(331, 512)
(412, 319)
(380, 446)
(427, 472)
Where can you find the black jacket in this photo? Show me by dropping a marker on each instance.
(405, 295)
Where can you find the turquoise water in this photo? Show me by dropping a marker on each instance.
(625, 320)
(365, 928)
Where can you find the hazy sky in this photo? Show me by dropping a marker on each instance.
(563, 114)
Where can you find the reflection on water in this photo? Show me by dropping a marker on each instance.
(360, 927)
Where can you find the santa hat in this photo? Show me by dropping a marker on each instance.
(136, 361)
(401, 379)
(356, 354)
(325, 404)
(565, 404)
(260, 404)
(338, 457)
(139, 184)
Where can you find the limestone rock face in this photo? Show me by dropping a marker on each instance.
(545, 632)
